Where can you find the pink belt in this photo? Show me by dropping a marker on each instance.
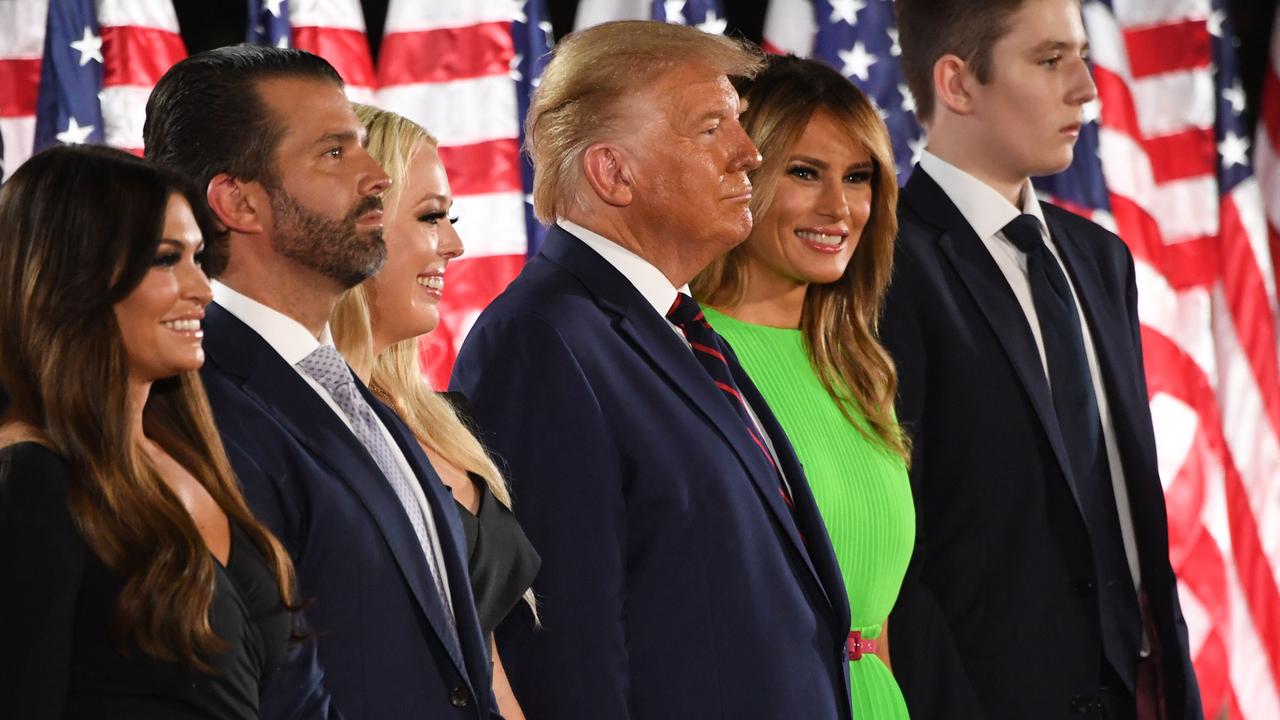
(859, 646)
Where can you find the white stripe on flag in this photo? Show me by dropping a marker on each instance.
(420, 15)
(491, 224)
(142, 13)
(461, 112)
(345, 14)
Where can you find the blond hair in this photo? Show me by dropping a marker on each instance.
(576, 103)
(395, 374)
(839, 320)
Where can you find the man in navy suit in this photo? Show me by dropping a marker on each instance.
(372, 531)
(1040, 586)
(686, 572)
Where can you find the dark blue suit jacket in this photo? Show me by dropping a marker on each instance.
(382, 636)
(675, 582)
(998, 614)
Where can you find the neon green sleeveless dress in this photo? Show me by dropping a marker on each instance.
(861, 488)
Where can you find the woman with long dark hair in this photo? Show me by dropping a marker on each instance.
(798, 301)
(135, 581)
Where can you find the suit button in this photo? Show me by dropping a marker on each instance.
(459, 697)
(1083, 587)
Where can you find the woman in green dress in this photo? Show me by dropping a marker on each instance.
(798, 302)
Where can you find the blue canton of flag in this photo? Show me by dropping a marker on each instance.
(860, 39)
(531, 33)
(706, 15)
(1234, 166)
(68, 111)
(269, 23)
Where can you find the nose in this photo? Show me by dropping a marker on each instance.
(1083, 89)
(745, 157)
(195, 285)
(373, 179)
(450, 246)
(833, 202)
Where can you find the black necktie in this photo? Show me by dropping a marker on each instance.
(1076, 408)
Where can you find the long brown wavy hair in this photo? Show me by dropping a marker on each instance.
(839, 320)
(79, 229)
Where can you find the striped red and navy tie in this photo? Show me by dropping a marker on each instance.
(686, 314)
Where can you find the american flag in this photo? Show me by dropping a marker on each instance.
(1266, 148)
(1165, 163)
(706, 15)
(332, 29)
(77, 71)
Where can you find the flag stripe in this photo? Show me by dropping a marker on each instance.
(1167, 47)
(481, 168)
(457, 53)
(346, 49)
(462, 112)
(418, 15)
(1188, 154)
(134, 55)
(19, 86)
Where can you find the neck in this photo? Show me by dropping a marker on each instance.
(651, 245)
(979, 162)
(138, 393)
(769, 300)
(304, 295)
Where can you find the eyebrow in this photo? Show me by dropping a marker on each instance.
(823, 164)
(341, 137)
(428, 198)
(1048, 45)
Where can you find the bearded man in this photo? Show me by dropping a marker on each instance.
(332, 471)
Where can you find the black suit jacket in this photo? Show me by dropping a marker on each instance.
(675, 582)
(383, 644)
(998, 614)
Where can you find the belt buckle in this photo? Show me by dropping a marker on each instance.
(858, 646)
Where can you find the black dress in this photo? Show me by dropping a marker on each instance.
(57, 599)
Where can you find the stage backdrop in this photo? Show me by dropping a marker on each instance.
(1165, 161)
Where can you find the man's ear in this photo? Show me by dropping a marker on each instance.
(952, 82)
(605, 169)
(238, 204)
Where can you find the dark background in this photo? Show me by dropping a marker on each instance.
(208, 25)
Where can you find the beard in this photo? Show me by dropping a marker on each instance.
(337, 249)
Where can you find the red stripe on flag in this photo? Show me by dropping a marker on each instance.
(771, 48)
(1171, 370)
(470, 285)
(134, 55)
(1246, 294)
(1188, 154)
(19, 86)
(1184, 264)
(1269, 112)
(485, 167)
(346, 50)
(446, 54)
(1118, 111)
(1168, 47)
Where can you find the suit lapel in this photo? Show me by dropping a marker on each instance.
(282, 393)
(995, 300)
(653, 337)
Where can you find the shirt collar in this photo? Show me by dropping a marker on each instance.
(986, 210)
(284, 334)
(647, 279)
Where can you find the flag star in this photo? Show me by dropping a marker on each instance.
(89, 47)
(545, 27)
(517, 12)
(1216, 18)
(273, 7)
(74, 134)
(1234, 150)
(674, 10)
(1235, 96)
(917, 148)
(846, 10)
(712, 24)
(895, 47)
(1091, 111)
(515, 67)
(283, 42)
(857, 62)
(908, 100)
(884, 114)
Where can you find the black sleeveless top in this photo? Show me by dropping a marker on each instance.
(57, 600)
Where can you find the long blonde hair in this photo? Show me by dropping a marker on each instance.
(395, 374)
(839, 320)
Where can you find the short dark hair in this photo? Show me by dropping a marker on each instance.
(207, 116)
(929, 29)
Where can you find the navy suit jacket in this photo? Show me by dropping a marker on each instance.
(998, 615)
(382, 639)
(675, 582)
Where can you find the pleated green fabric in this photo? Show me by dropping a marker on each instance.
(861, 488)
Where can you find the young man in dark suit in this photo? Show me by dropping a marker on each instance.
(1040, 585)
(332, 471)
(686, 572)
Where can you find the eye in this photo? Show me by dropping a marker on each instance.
(334, 153)
(433, 218)
(858, 177)
(200, 257)
(803, 172)
(167, 259)
(1051, 62)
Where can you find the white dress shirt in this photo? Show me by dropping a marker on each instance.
(987, 212)
(293, 342)
(661, 294)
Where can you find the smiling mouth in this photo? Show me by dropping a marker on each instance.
(433, 283)
(186, 326)
(822, 241)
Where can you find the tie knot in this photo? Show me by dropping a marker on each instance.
(326, 366)
(1024, 232)
(685, 310)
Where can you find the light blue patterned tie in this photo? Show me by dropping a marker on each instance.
(326, 366)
